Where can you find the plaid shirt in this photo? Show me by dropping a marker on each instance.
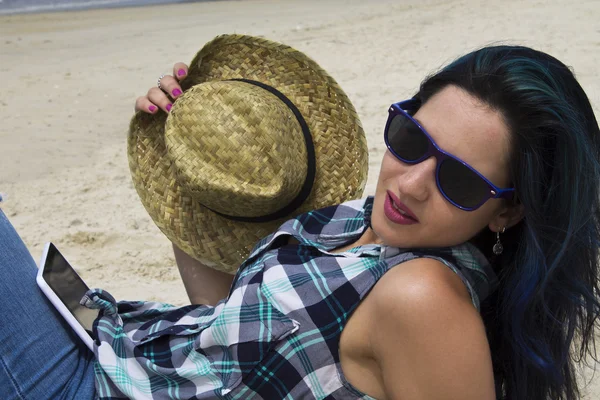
(276, 335)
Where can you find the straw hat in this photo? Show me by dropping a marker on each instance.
(260, 134)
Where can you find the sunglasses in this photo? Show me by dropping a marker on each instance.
(458, 182)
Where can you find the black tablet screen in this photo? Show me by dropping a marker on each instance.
(68, 286)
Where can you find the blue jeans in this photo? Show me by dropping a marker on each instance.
(40, 356)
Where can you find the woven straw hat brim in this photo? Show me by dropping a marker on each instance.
(339, 140)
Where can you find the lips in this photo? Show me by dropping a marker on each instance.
(401, 207)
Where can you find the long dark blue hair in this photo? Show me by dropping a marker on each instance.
(541, 320)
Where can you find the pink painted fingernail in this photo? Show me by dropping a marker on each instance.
(169, 107)
(152, 108)
(181, 72)
(176, 92)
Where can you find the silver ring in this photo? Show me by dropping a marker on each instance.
(158, 81)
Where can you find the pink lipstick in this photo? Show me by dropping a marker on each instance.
(397, 212)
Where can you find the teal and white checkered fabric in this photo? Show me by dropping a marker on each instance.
(276, 335)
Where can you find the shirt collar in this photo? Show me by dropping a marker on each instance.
(336, 226)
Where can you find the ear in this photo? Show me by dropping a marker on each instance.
(507, 216)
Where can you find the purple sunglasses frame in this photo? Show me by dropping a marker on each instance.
(402, 108)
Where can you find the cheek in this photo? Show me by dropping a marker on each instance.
(486, 213)
(452, 227)
(389, 166)
(458, 226)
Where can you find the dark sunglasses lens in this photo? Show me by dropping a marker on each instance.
(461, 185)
(406, 139)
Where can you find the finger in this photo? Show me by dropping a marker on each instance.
(170, 86)
(159, 98)
(180, 70)
(144, 104)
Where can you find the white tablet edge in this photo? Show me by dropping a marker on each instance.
(59, 305)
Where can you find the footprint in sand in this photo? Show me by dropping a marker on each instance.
(89, 239)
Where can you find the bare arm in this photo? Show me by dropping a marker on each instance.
(204, 285)
(430, 342)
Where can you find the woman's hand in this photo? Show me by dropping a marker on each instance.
(163, 98)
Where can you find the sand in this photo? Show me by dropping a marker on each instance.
(70, 81)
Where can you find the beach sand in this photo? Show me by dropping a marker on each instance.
(70, 81)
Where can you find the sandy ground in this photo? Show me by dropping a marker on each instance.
(69, 82)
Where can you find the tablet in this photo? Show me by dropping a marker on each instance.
(64, 288)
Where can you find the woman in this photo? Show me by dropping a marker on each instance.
(488, 191)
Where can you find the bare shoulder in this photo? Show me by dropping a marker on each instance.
(429, 341)
(421, 277)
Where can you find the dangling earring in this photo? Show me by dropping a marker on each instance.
(498, 248)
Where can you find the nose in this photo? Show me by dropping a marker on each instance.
(417, 180)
